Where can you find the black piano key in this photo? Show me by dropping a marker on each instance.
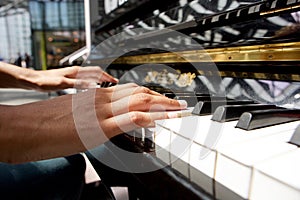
(296, 137)
(107, 84)
(112, 84)
(173, 95)
(264, 118)
(233, 112)
(193, 100)
(209, 107)
(103, 84)
(158, 88)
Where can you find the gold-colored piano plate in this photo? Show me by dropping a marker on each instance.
(267, 52)
(255, 75)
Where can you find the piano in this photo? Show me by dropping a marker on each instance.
(236, 63)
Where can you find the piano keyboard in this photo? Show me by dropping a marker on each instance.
(231, 149)
(255, 162)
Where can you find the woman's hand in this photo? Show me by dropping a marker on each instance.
(122, 108)
(12, 76)
(71, 77)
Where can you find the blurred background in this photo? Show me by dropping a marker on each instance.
(41, 34)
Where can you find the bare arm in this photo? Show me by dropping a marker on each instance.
(12, 76)
(66, 125)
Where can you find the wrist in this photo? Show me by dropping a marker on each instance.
(28, 79)
(13, 76)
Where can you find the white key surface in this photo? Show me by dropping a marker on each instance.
(278, 178)
(226, 134)
(235, 163)
(180, 151)
(202, 167)
(222, 152)
(162, 140)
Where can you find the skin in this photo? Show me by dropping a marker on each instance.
(12, 76)
(65, 125)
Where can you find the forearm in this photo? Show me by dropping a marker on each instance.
(73, 123)
(38, 131)
(12, 76)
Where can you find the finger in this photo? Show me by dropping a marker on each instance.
(84, 71)
(108, 78)
(116, 88)
(132, 120)
(95, 73)
(91, 83)
(80, 84)
(111, 93)
(67, 71)
(121, 87)
(124, 86)
(120, 93)
(146, 102)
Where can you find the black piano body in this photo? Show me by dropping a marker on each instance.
(235, 49)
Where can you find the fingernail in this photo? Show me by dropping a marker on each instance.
(178, 114)
(183, 103)
(172, 115)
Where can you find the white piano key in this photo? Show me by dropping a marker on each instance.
(212, 138)
(187, 127)
(173, 123)
(235, 163)
(277, 178)
(202, 168)
(180, 151)
(226, 134)
(192, 162)
(167, 143)
(162, 140)
(234, 186)
(215, 135)
(178, 124)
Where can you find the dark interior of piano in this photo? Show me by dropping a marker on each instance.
(201, 51)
